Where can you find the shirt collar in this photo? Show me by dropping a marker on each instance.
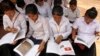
(53, 21)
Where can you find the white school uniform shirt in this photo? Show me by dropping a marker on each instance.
(22, 11)
(39, 29)
(44, 10)
(72, 15)
(86, 29)
(19, 22)
(63, 29)
(51, 2)
(29, 1)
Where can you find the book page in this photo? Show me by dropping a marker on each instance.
(33, 51)
(20, 35)
(53, 47)
(24, 47)
(8, 38)
(86, 40)
(66, 48)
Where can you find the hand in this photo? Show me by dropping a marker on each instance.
(59, 38)
(73, 38)
(8, 29)
(14, 42)
(41, 46)
(82, 47)
(14, 30)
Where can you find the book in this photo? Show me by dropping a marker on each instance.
(10, 37)
(64, 48)
(86, 40)
(27, 48)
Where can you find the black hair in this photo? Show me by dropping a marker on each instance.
(73, 2)
(31, 8)
(92, 13)
(36, 1)
(57, 2)
(20, 3)
(58, 10)
(7, 5)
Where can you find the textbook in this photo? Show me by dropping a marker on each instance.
(10, 37)
(64, 48)
(27, 48)
(86, 40)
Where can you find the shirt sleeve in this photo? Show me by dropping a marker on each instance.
(78, 13)
(5, 24)
(29, 34)
(23, 24)
(67, 31)
(46, 29)
(98, 27)
(76, 24)
(49, 14)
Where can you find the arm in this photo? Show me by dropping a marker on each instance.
(23, 24)
(74, 33)
(67, 31)
(5, 24)
(46, 30)
(46, 36)
(30, 32)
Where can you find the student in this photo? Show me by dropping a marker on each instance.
(64, 3)
(12, 21)
(84, 26)
(59, 3)
(60, 29)
(43, 8)
(20, 6)
(39, 28)
(73, 12)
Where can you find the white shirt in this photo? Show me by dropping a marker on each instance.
(22, 11)
(44, 10)
(19, 22)
(64, 2)
(39, 29)
(72, 15)
(29, 1)
(63, 29)
(86, 29)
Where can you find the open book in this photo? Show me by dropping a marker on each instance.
(11, 37)
(64, 48)
(27, 48)
(85, 40)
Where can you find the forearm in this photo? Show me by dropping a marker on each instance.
(74, 33)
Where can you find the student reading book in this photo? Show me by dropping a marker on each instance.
(60, 29)
(13, 22)
(86, 26)
(38, 28)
